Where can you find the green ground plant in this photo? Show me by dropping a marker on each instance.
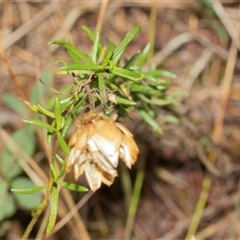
(102, 79)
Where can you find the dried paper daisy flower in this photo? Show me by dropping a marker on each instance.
(97, 145)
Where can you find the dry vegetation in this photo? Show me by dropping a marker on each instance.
(195, 159)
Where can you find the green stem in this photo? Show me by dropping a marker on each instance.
(38, 211)
(207, 183)
(135, 198)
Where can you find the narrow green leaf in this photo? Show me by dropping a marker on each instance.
(143, 55)
(62, 143)
(72, 49)
(148, 119)
(92, 36)
(89, 68)
(26, 202)
(121, 47)
(28, 190)
(73, 56)
(155, 101)
(102, 87)
(108, 54)
(54, 172)
(156, 80)
(89, 33)
(135, 87)
(63, 169)
(95, 48)
(75, 72)
(79, 105)
(39, 123)
(44, 111)
(73, 186)
(54, 209)
(131, 75)
(66, 103)
(58, 115)
(125, 101)
(161, 73)
(67, 125)
(131, 61)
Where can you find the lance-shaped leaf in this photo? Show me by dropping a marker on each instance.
(75, 72)
(63, 169)
(58, 116)
(81, 67)
(124, 101)
(131, 61)
(73, 56)
(102, 87)
(95, 48)
(54, 209)
(62, 143)
(161, 73)
(148, 119)
(92, 36)
(73, 186)
(143, 55)
(67, 125)
(131, 75)
(72, 49)
(108, 54)
(121, 47)
(54, 172)
(66, 102)
(155, 101)
(40, 123)
(158, 82)
(28, 190)
(135, 87)
(44, 111)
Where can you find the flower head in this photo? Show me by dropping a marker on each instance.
(97, 145)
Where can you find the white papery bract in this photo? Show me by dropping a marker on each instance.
(96, 147)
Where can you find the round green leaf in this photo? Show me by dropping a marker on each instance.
(26, 201)
(7, 205)
(25, 138)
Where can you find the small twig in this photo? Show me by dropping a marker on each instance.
(197, 68)
(52, 89)
(219, 10)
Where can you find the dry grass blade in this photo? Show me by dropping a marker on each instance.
(172, 46)
(216, 137)
(28, 26)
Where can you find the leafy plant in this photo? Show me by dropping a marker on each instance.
(101, 80)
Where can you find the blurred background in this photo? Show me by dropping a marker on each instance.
(190, 179)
